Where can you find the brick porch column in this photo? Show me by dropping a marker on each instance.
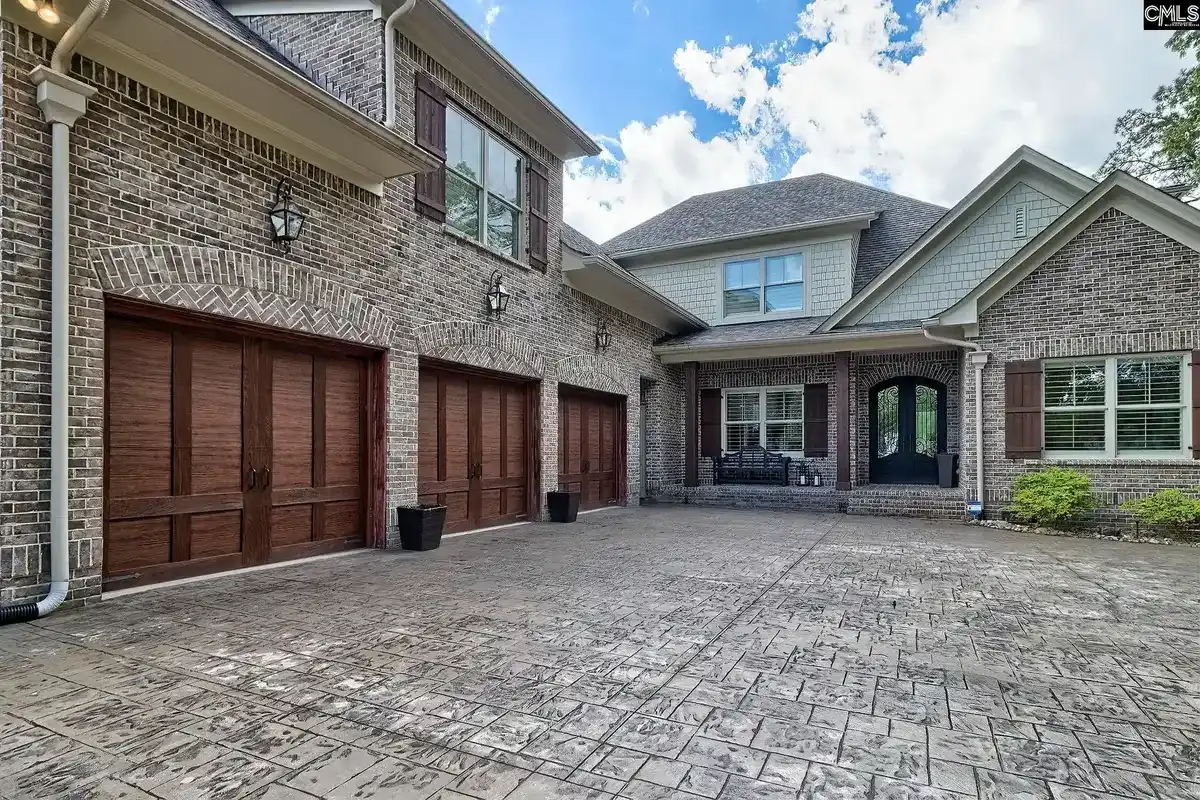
(842, 389)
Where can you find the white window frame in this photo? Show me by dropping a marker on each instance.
(762, 416)
(1110, 411)
(762, 312)
(486, 195)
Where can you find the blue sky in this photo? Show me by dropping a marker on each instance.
(608, 62)
(688, 96)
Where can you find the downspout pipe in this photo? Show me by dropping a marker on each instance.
(389, 61)
(63, 100)
(978, 357)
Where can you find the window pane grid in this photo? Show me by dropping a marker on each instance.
(770, 418)
(1121, 405)
(483, 185)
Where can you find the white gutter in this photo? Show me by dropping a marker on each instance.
(979, 357)
(63, 100)
(389, 61)
(796, 227)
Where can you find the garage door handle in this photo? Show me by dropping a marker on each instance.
(252, 478)
(266, 477)
(587, 465)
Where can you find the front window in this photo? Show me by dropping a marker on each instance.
(1120, 406)
(771, 418)
(483, 185)
(764, 285)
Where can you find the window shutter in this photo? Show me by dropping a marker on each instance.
(539, 215)
(1196, 404)
(430, 133)
(816, 420)
(710, 423)
(1023, 409)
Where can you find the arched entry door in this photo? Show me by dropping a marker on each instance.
(908, 430)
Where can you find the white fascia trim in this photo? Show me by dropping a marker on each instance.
(289, 80)
(254, 8)
(630, 280)
(1025, 165)
(907, 338)
(851, 222)
(1152, 207)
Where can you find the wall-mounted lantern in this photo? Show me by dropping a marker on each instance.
(44, 9)
(603, 337)
(286, 219)
(497, 296)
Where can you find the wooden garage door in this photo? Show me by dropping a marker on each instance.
(474, 447)
(592, 447)
(224, 450)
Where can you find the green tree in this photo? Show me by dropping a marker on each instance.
(1161, 145)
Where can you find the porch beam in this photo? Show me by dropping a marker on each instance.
(842, 385)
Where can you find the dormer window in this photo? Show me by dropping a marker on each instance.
(764, 285)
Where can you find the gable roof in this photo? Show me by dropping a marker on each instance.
(767, 207)
(1066, 182)
(1153, 207)
(575, 240)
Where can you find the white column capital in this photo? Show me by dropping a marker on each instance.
(978, 357)
(61, 97)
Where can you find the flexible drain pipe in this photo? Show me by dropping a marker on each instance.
(63, 100)
(389, 61)
(979, 357)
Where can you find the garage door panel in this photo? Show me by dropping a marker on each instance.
(428, 438)
(343, 421)
(457, 508)
(291, 525)
(291, 420)
(139, 410)
(455, 443)
(130, 544)
(216, 408)
(591, 448)
(218, 534)
(514, 416)
(342, 519)
(491, 433)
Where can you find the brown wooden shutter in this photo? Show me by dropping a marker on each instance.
(1023, 409)
(539, 215)
(710, 423)
(1196, 404)
(816, 420)
(430, 128)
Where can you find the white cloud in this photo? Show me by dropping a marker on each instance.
(489, 18)
(979, 78)
(649, 168)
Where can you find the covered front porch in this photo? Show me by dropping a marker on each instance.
(874, 430)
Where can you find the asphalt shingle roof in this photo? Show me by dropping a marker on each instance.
(580, 243)
(809, 198)
(722, 335)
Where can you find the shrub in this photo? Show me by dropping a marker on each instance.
(1051, 496)
(1169, 509)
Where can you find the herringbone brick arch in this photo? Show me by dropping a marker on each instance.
(480, 344)
(590, 372)
(243, 286)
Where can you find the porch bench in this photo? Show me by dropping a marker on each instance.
(753, 465)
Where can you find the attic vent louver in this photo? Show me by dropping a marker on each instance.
(1019, 231)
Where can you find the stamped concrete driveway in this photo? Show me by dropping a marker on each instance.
(641, 653)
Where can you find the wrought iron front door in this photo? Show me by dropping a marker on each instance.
(908, 430)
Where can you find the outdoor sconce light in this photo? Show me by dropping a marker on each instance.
(497, 296)
(603, 337)
(286, 219)
(44, 9)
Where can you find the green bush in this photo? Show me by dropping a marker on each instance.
(1051, 496)
(1169, 509)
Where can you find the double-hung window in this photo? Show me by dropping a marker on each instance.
(772, 418)
(483, 185)
(1120, 406)
(764, 285)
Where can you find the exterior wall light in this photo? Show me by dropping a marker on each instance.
(286, 220)
(497, 296)
(44, 9)
(603, 337)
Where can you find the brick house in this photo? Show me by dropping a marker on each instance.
(184, 394)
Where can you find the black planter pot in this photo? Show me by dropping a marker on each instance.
(420, 527)
(564, 506)
(947, 464)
